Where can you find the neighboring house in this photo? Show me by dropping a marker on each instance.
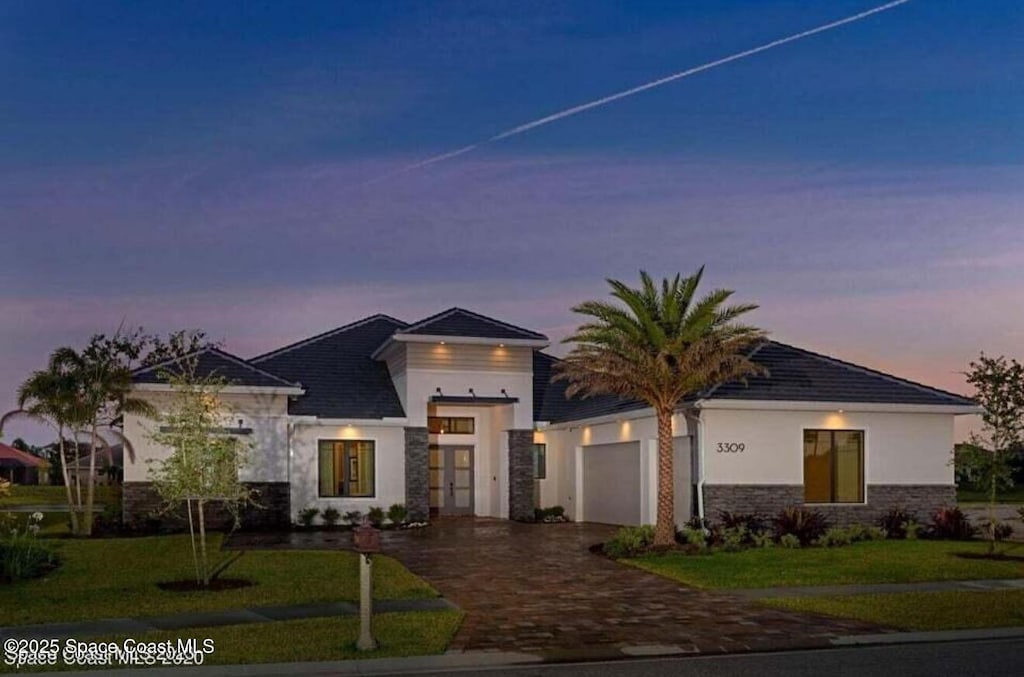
(20, 467)
(109, 464)
(457, 415)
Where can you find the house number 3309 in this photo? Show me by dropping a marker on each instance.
(731, 447)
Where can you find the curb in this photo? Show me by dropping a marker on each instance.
(929, 636)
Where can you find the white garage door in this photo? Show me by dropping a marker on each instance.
(611, 483)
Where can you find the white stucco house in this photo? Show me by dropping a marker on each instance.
(457, 414)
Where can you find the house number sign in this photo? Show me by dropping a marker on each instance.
(731, 447)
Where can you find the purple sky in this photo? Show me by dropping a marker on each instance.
(865, 188)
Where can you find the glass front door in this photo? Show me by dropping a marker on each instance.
(451, 480)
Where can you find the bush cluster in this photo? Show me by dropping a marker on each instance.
(21, 554)
(555, 513)
(394, 517)
(630, 541)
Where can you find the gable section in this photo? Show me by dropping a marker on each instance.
(339, 375)
(464, 323)
(213, 362)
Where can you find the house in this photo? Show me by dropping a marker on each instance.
(20, 467)
(457, 415)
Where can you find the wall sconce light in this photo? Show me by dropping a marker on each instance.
(438, 390)
(471, 393)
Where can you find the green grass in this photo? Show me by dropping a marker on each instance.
(30, 495)
(116, 577)
(318, 639)
(1015, 495)
(866, 562)
(920, 610)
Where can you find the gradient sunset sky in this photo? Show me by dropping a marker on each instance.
(204, 164)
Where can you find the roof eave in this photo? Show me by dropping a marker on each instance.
(228, 389)
(837, 405)
(470, 340)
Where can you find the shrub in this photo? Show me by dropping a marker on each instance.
(733, 520)
(1000, 531)
(21, 555)
(806, 525)
(5, 488)
(630, 541)
(330, 516)
(695, 537)
(863, 532)
(353, 518)
(397, 514)
(735, 538)
(555, 513)
(914, 530)
(836, 537)
(307, 516)
(376, 516)
(789, 541)
(763, 540)
(952, 523)
(895, 522)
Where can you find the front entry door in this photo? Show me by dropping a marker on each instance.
(451, 480)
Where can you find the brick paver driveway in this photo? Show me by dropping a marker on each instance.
(536, 588)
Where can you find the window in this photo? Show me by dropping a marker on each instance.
(346, 468)
(540, 461)
(834, 466)
(451, 425)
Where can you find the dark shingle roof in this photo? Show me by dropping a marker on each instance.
(460, 322)
(801, 375)
(795, 375)
(216, 362)
(340, 377)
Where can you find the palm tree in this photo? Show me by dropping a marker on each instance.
(661, 348)
(51, 396)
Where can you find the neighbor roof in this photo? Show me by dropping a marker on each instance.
(216, 362)
(461, 322)
(16, 458)
(795, 374)
(338, 373)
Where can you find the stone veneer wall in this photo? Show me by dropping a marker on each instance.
(520, 475)
(417, 474)
(767, 500)
(143, 508)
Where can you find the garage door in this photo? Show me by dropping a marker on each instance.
(611, 483)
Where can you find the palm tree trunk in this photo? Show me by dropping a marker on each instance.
(67, 484)
(664, 528)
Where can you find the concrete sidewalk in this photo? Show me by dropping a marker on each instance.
(200, 619)
(879, 588)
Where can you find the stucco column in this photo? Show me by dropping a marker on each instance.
(417, 474)
(520, 475)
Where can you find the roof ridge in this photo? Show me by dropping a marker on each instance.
(327, 334)
(875, 372)
(483, 318)
(222, 353)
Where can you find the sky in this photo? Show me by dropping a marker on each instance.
(215, 165)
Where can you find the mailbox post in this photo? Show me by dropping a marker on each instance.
(367, 542)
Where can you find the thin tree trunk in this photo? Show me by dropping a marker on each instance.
(992, 508)
(90, 487)
(202, 544)
(78, 487)
(67, 484)
(664, 529)
(192, 535)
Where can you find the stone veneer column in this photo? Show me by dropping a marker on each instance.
(417, 474)
(520, 475)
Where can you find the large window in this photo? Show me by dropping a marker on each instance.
(346, 468)
(450, 425)
(834, 466)
(540, 461)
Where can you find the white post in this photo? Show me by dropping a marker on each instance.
(366, 642)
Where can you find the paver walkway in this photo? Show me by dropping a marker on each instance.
(880, 588)
(535, 588)
(266, 614)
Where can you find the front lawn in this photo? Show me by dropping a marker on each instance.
(415, 633)
(47, 495)
(865, 562)
(920, 610)
(116, 577)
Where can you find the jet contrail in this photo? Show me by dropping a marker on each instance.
(596, 103)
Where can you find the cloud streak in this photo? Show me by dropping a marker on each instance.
(632, 91)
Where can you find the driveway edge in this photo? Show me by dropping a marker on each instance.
(930, 636)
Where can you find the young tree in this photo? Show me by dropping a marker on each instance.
(663, 346)
(204, 461)
(999, 388)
